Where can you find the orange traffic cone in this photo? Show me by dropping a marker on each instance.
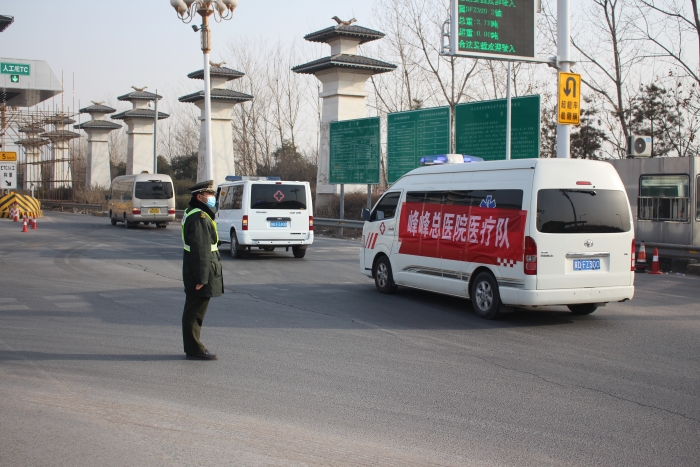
(655, 263)
(24, 226)
(642, 259)
(15, 214)
(34, 227)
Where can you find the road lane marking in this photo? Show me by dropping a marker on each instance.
(13, 307)
(61, 297)
(8, 300)
(72, 304)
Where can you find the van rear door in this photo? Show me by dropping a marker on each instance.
(584, 238)
(278, 211)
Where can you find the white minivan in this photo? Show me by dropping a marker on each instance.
(142, 198)
(512, 233)
(265, 213)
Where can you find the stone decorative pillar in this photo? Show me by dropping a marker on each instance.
(139, 123)
(61, 174)
(32, 150)
(343, 74)
(222, 102)
(98, 129)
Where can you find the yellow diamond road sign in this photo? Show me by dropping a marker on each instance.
(8, 156)
(569, 105)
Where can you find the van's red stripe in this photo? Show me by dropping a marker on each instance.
(374, 241)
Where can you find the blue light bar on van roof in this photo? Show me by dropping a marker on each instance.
(440, 159)
(238, 178)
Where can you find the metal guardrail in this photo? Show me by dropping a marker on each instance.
(321, 222)
(693, 250)
(64, 205)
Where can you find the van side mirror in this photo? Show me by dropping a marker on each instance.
(380, 215)
(365, 214)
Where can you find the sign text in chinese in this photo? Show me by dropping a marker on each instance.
(355, 151)
(569, 99)
(15, 69)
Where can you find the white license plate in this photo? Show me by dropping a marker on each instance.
(278, 224)
(586, 264)
(154, 210)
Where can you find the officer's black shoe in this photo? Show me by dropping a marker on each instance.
(202, 356)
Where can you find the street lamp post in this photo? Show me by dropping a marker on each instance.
(220, 10)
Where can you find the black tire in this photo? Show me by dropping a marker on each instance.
(485, 297)
(384, 277)
(268, 248)
(161, 225)
(112, 220)
(583, 308)
(298, 252)
(131, 225)
(236, 250)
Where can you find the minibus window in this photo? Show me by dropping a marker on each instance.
(237, 197)
(266, 196)
(387, 205)
(562, 211)
(154, 190)
(502, 199)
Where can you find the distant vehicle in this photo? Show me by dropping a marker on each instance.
(143, 198)
(505, 233)
(265, 213)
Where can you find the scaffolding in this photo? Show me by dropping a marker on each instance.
(51, 160)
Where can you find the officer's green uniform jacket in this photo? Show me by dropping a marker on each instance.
(202, 264)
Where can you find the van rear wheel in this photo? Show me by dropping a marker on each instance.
(583, 308)
(384, 277)
(298, 252)
(485, 297)
(236, 250)
(112, 220)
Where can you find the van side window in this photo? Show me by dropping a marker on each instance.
(502, 199)
(236, 197)
(388, 205)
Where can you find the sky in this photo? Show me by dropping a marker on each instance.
(110, 45)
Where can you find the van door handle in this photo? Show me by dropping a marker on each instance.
(391, 228)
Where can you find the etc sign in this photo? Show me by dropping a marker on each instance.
(14, 69)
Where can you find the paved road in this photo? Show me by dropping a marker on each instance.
(317, 368)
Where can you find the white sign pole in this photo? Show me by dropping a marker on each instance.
(508, 114)
(563, 52)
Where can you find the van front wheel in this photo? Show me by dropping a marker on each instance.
(583, 309)
(383, 277)
(485, 297)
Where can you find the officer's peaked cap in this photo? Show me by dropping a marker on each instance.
(203, 187)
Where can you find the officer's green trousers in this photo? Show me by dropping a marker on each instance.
(192, 318)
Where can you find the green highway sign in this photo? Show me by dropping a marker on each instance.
(14, 78)
(480, 128)
(14, 69)
(413, 134)
(355, 151)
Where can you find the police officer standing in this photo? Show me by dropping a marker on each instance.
(201, 266)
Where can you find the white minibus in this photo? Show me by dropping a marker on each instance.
(142, 198)
(265, 213)
(505, 234)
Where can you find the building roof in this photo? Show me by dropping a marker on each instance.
(97, 124)
(357, 62)
(217, 95)
(139, 113)
(60, 134)
(33, 142)
(97, 109)
(5, 21)
(59, 119)
(223, 72)
(35, 128)
(334, 32)
(139, 95)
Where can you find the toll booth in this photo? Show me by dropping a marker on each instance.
(664, 193)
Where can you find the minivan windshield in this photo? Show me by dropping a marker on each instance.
(153, 190)
(562, 211)
(266, 196)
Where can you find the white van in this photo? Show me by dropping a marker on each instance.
(265, 213)
(145, 198)
(505, 233)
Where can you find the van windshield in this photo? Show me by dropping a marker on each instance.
(582, 211)
(153, 190)
(264, 196)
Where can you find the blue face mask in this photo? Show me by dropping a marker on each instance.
(211, 202)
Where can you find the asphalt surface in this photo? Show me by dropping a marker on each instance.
(317, 368)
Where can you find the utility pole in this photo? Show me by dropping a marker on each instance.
(564, 57)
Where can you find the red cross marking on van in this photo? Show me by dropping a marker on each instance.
(382, 229)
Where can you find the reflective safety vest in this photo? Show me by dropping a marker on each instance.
(215, 245)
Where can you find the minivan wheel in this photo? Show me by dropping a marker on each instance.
(583, 309)
(298, 252)
(485, 297)
(383, 277)
(112, 220)
(236, 250)
(161, 225)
